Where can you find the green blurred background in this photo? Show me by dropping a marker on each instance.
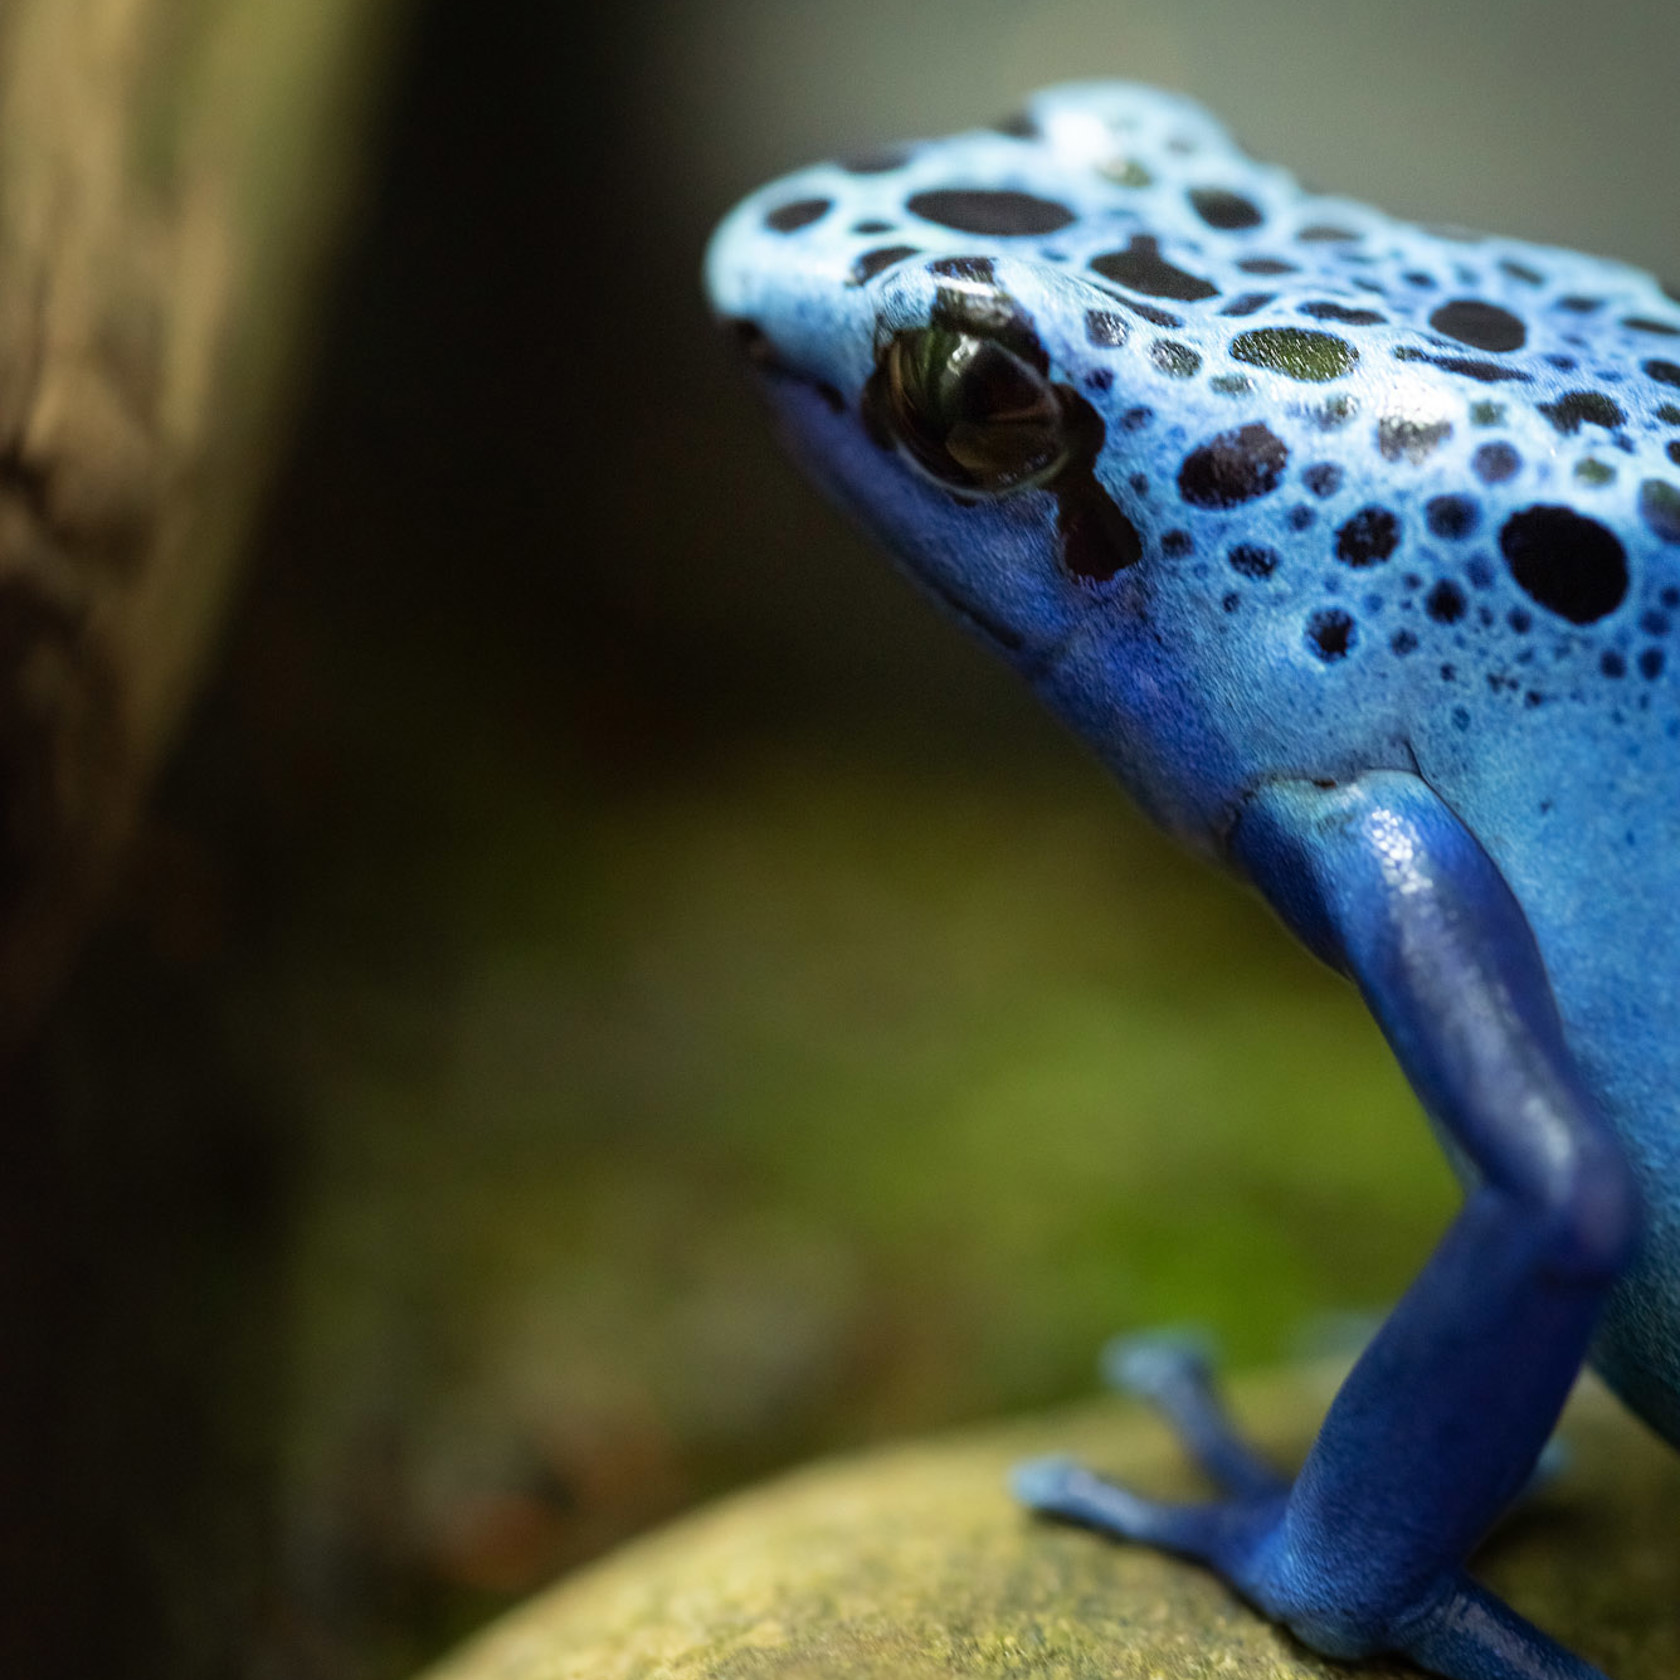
(616, 997)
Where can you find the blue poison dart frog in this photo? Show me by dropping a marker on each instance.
(1354, 549)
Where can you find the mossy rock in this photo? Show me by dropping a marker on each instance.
(912, 1562)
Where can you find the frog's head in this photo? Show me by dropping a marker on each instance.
(936, 351)
(1248, 482)
(935, 364)
(932, 407)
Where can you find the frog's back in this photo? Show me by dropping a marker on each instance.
(1371, 496)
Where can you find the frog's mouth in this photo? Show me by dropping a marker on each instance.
(994, 630)
(1034, 662)
(757, 350)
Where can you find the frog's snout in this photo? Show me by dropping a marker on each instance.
(767, 362)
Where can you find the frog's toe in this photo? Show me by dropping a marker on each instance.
(1173, 1371)
(1064, 1489)
(1556, 1460)
(1042, 1483)
(1152, 1364)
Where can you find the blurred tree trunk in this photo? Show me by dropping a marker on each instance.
(169, 173)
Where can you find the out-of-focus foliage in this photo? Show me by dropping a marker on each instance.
(885, 1095)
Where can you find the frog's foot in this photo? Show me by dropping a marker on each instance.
(1220, 1534)
(1447, 1625)
(1172, 1371)
(1265, 1538)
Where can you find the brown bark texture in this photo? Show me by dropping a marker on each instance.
(170, 174)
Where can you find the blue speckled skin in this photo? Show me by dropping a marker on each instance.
(1361, 573)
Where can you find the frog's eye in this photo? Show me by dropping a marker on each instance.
(968, 410)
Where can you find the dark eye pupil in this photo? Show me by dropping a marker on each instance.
(970, 412)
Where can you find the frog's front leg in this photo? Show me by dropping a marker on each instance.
(1442, 1419)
